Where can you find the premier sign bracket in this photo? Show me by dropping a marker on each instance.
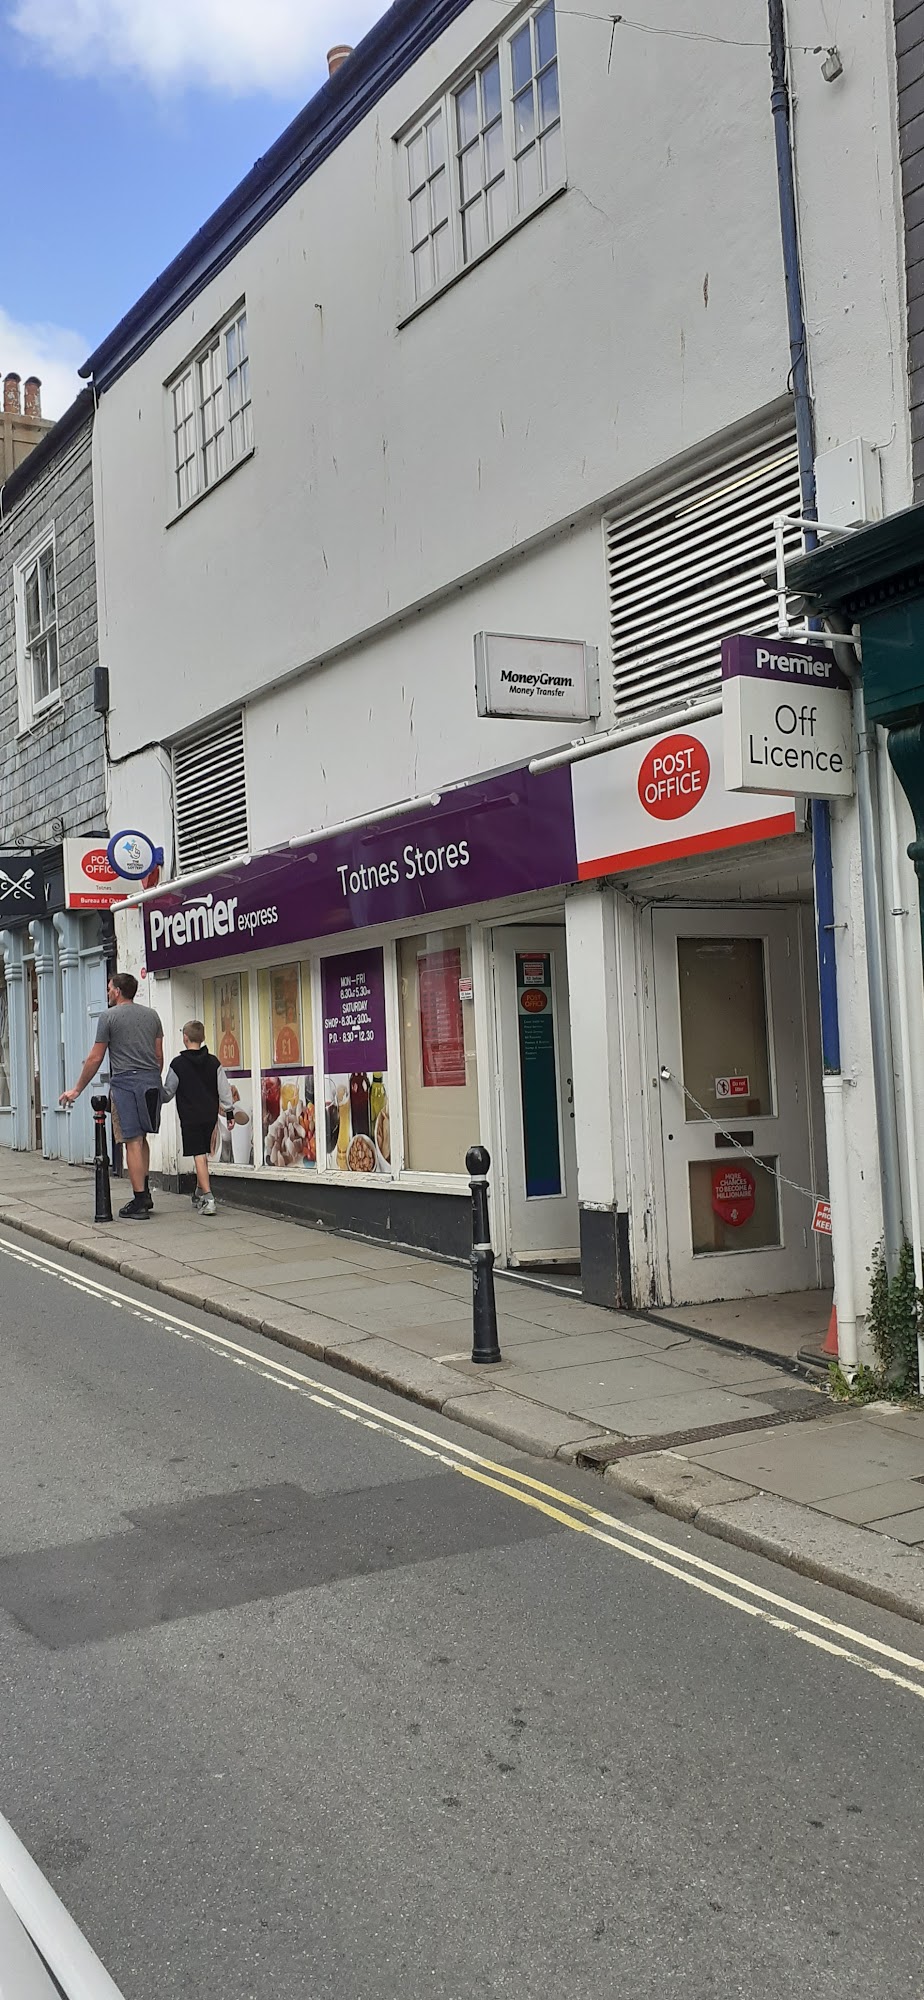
(787, 719)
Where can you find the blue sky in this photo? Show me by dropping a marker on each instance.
(124, 125)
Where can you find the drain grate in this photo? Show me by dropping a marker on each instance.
(799, 1410)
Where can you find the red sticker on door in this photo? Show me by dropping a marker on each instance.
(673, 776)
(733, 1194)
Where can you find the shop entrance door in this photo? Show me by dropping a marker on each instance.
(539, 1177)
(730, 1021)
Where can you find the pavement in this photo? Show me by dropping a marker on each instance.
(703, 1429)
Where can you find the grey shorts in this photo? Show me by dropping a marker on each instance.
(136, 1104)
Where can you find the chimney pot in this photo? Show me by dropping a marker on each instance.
(32, 396)
(337, 57)
(11, 402)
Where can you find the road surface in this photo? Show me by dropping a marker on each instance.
(311, 1695)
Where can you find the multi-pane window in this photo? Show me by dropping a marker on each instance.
(211, 411)
(536, 111)
(481, 161)
(39, 678)
(504, 153)
(428, 195)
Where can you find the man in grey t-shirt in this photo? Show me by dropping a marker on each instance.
(133, 1039)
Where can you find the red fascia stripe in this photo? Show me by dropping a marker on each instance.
(697, 843)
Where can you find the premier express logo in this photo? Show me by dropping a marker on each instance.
(204, 918)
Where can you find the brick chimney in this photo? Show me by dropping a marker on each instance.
(337, 57)
(21, 429)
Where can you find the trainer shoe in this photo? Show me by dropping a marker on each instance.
(207, 1204)
(137, 1210)
(197, 1198)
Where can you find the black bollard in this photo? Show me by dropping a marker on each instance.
(101, 1160)
(484, 1310)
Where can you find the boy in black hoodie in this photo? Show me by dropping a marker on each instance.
(200, 1086)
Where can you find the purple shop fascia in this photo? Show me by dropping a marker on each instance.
(505, 835)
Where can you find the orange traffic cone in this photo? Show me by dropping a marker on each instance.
(830, 1347)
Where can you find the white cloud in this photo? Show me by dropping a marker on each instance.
(228, 45)
(53, 353)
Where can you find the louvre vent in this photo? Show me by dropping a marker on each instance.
(687, 569)
(210, 796)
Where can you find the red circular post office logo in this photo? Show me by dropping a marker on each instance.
(673, 776)
(95, 864)
(733, 1194)
(534, 1001)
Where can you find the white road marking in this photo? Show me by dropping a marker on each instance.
(582, 1518)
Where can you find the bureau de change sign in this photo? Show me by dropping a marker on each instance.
(787, 719)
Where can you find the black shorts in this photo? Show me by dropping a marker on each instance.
(197, 1138)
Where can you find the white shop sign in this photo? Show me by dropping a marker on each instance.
(787, 718)
(552, 680)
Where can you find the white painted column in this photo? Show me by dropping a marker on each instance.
(593, 992)
(11, 944)
(54, 1135)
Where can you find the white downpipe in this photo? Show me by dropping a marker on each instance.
(841, 1230)
(900, 917)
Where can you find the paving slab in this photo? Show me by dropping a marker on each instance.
(873, 1505)
(905, 1527)
(385, 1309)
(611, 1382)
(347, 1284)
(544, 1356)
(657, 1416)
(838, 1457)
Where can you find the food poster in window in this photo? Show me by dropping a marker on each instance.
(287, 1087)
(227, 1033)
(357, 1119)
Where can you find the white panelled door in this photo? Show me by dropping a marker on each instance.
(730, 1020)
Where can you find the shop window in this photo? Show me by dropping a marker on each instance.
(734, 1205)
(357, 1109)
(440, 1081)
(287, 1078)
(226, 1013)
(723, 1025)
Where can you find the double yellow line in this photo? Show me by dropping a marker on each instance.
(813, 1628)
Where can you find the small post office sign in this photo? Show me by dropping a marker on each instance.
(551, 680)
(787, 718)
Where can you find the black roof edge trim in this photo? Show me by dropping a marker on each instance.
(379, 60)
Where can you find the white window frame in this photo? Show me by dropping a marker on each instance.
(500, 212)
(210, 411)
(33, 707)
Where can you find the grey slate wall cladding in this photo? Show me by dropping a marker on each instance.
(56, 770)
(909, 43)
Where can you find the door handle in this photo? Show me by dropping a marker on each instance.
(569, 1086)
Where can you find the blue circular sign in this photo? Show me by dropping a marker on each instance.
(132, 855)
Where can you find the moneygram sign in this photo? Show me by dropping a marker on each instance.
(549, 680)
